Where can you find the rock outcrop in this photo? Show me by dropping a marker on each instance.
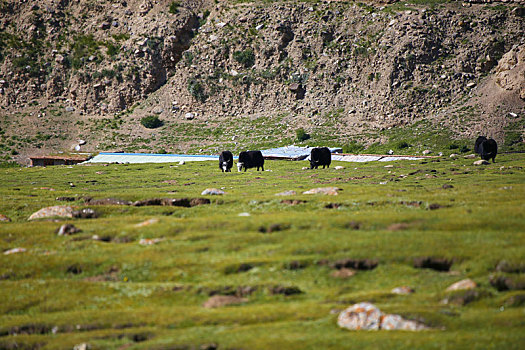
(366, 316)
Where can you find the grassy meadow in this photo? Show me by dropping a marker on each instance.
(114, 293)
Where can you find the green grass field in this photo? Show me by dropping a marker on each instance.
(115, 293)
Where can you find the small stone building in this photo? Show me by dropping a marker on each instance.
(57, 160)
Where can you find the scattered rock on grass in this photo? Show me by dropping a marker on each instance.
(14, 251)
(447, 186)
(85, 213)
(396, 322)
(67, 229)
(366, 316)
(331, 191)
(223, 300)
(4, 218)
(63, 211)
(82, 346)
(212, 191)
(481, 162)
(147, 222)
(339, 167)
(470, 156)
(438, 264)
(434, 206)
(286, 193)
(403, 290)
(462, 285)
(343, 273)
(150, 241)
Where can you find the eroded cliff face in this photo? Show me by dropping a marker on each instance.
(255, 72)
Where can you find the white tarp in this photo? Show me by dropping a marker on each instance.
(292, 152)
(134, 158)
(288, 153)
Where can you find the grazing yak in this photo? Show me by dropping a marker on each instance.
(486, 148)
(250, 159)
(226, 161)
(320, 156)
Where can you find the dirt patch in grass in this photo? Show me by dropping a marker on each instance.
(356, 264)
(434, 263)
(284, 290)
(223, 300)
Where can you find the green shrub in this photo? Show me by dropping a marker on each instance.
(301, 135)
(353, 147)
(112, 49)
(464, 149)
(246, 57)
(205, 15)
(151, 122)
(196, 90)
(188, 58)
(402, 145)
(121, 36)
(512, 138)
(174, 7)
(83, 47)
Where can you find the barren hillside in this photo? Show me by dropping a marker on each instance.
(241, 74)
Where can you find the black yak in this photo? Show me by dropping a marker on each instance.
(250, 159)
(320, 156)
(226, 161)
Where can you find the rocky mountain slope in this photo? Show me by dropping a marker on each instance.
(237, 74)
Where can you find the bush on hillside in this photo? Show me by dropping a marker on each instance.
(151, 122)
(301, 135)
(246, 57)
(353, 147)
